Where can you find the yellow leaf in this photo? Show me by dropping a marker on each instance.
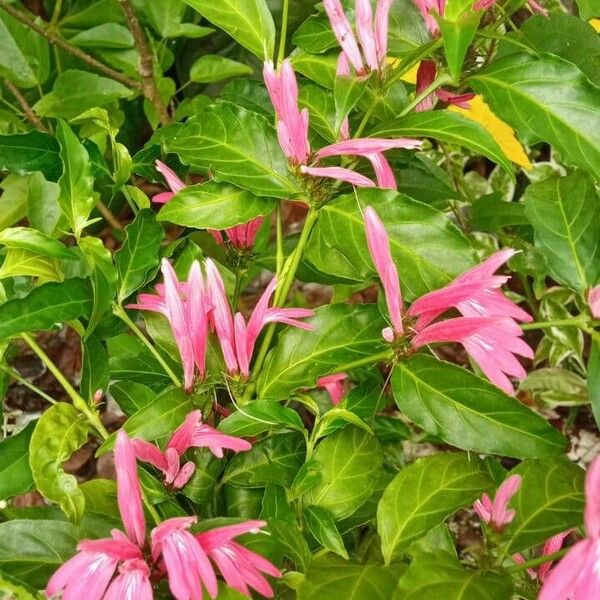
(410, 76)
(481, 113)
(595, 23)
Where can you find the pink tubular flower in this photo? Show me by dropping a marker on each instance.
(340, 173)
(426, 8)
(594, 301)
(185, 306)
(175, 184)
(132, 583)
(334, 385)
(192, 433)
(379, 249)
(577, 575)
(533, 6)
(242, 236)
(425, 77)
(495, 513)
(241, 568)
(344, 34)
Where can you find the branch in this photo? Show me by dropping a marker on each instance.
(56, 39)
(29, 114)
(146, 64)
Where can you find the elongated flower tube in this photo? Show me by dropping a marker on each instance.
(173, 181)
(343, 32)
(242, 236)
(496, 513)
(533, 5)
(426, 74)
(192, 433)
(186, 307)
(426, 8)
(334, 385)
(340, 174)
(550, 547)
(577, 575)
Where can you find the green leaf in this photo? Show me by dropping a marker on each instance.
(260, 416)
(321, 108)
(166, 16)
(105, 35)
(320, 68)
(440, 575)
(46, 305)
(28, 152)
(15, 473)
(24, 263)
(522, 91)
(75, 91)
(450, 127)
(35, 241)
(31, 550)
(350, 462)
(491, 213)
(138, 258)
(563, 212)
(342, 334)
(335, 578)
(426, 247)
(593, 376)
(60, 431)
(550, 500)
(588, 8)
(76, 197)
(250, 24)
(95, 374)
(214, 205)
(13, 63)
(43, 210)
(223, 138)
(131, 396)
(322, 526)
(155, 422)
(468, 412)
(17, 590)
(457, 36)
(210, 68)
(424, 494)
(201, 487)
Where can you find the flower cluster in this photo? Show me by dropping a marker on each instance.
(125, 565)
(200, 305)
(487, 328)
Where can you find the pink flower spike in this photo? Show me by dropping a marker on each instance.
(366, 33)
(379, 248)
(366, 146)
(340, 173)
(173, 181)
(132, 583)
(382, 15)
(594, 301)
(181, 439)
(536, 7)
(206, 436)
(554, 544)
(591, 516)
(343, 70)
(483, 507)
(383, 171)
(197, 309)
(425, 7)
(129, 492)
(425, 77)
(483, 4)
(344, 34)
(334, 385)
(243, 236)
(461, 100)
(496, 513)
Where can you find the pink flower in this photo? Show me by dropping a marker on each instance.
(334, 385)
(192, 433)
(344, 34)
(175, 184)
(552, 545)
(491, 342)
(495, 513)
(240, 567)
(340, 173)
(577, 575)
(379, 248)
(594, 301)
(185, 305)
(132, 583)
(533, 5)
(426, 8)
(242, 236)
(425, 77)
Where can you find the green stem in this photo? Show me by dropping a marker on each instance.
(280, 256)
(17, 376)
(284, 27)
(529, 294)
(78, 402)
(536, 562)
(580, 321)
(439, 82)
(119, 311)
(56, 13)
(239, 275)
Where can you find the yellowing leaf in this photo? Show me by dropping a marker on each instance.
(481, 113)
(410, 76)
(595, 23)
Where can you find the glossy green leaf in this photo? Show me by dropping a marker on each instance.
(342, 334)
(564, 215)
(260, 416)
(166, 17)
(550, 500)
(491, 213)
(43, 210)
(201, 487)
(214, 205)
(46, 305)
(131, 396)
(425, 494)
(28, 152)
(156, 421)
(321, 109)
(593, 376)
(24, 263)
(35, 241)
(32, 549)
(105, 35)
(135, 363)
(427, 248)
(210, 68)
(75, 91)
(350, 462)
(439, 575)
(60, 431)
(335, 578)
(138, 258)
(16, 590)
(322, 526)
(320, 68)
(76, 197)
(457, 36)
(13, 63)
(94, 369)
(522, 90)
(249, 24)
(235, 145)
(15, 472)
(468, 412)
